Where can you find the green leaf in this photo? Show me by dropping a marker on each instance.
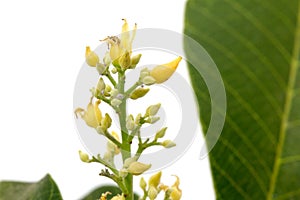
(46, 188)
(96, 193)
(255, 45)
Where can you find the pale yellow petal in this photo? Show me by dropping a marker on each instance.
(163, 72)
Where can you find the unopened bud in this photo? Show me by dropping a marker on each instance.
(105, 122)
(114, 70)
(163, 72)
(128, 161)
(137, 168)
(138, 93)
(123, 173)
(155, 179)
(107, 90)
(124, 60)
(153, 109)
(152, 193)
(130, 123)
(114, 93)
(100, 68)
(138, 119)
(168, 144)
(148, 80)
(100, 85)
(84, 157)
(107, 59)
(152, 119)
(143, 183)
(161, 133)
(115, 102)
(135, 60)
(91, 57)
(144, 72)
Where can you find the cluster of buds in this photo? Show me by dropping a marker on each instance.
(155, 187)
(110, 90)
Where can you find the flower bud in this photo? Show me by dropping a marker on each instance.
(130, 125)
(155, 179)
(137, 120)
(148, 80)
(138, 93)
(123, 173)
(161, 133)
(143, 183)
(107, 59)
(137, 168)
(114, 93)
(152, 119)
(107, 90)
(115, 50)
(115, 102)
(144, 72)
(100, 68)
(91, 57)
(105, 122)
(114, 70)
(100, 85)
(153, 109)
(92, 115)
(168, 144)
(109, 157)
(84, 157)
(152, 193)
(135, 60)
(124, 60)
(128, 161)
(163, 72)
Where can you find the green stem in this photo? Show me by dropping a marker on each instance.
(113, 139)
(126, 146)
(110, 78)
(132, 88)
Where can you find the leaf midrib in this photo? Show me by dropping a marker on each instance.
(287, 107)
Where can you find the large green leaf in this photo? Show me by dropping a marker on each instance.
(46, 188)
(255, 44)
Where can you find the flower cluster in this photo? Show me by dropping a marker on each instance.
(155, 187)
(110, 89)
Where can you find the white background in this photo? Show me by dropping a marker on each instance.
(42, 46)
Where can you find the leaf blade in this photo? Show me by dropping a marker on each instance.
(252, 43)
(46, 188)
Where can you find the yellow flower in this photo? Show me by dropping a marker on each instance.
(163, 72)
(104, 196)
(119, 46)
(91, 57)
(127, 37)
(92, 115)
(176, 191)
(155, 179)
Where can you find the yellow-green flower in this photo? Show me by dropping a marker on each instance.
(163, 72)
(92, 115)
(91, 57)
(120, 46)
(176, 191)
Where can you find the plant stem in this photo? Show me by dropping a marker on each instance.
(126, 146)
